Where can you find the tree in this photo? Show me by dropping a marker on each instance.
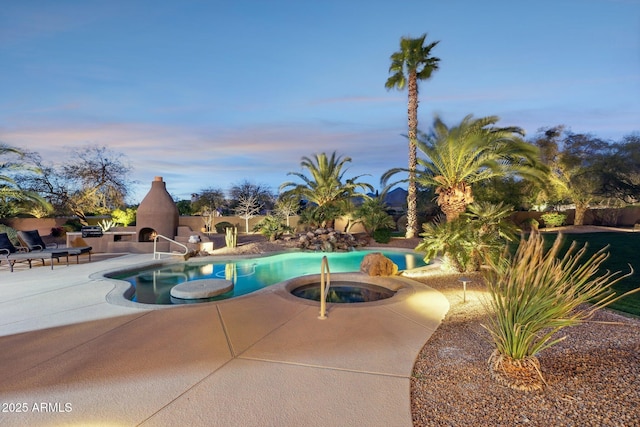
(13, 198)
(184, 207)
(245, 189)
(576, 164)
(93, 181)
(473, 151)
(510, 190)
(287, 207)
(209, 203)
(324, 188)
(48, 183)
(413, 62)
(248, 207)
(621, 170)
(373, 215)
(124, 217)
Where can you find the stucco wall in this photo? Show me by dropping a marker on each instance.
(43, 225)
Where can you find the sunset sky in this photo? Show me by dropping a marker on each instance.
(210, 93)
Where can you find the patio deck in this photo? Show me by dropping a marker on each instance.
(70, 357)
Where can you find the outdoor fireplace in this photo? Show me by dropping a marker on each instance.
(157, 213)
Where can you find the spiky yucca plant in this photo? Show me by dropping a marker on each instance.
(533, 295)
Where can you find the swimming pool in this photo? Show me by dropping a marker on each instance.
(153, 285)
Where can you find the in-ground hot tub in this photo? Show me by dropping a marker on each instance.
(346, 288)
(344, 292)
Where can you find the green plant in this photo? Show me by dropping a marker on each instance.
(467, 240)
(533, 295)
(222, 226)
(126, 217)
(272, 227)
(323, 188)
(231, 237)
(382, 235)
(373, 216)
(73, 225)
(553, 219)
(453, 240)
(57, 231)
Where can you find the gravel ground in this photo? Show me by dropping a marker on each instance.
(593, 376)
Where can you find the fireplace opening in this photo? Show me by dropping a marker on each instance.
(147, 235)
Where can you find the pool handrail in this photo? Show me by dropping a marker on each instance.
(325, 273)
(156, 253)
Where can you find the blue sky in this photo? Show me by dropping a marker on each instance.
(210, 93)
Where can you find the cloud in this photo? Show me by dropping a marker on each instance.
(219, 157)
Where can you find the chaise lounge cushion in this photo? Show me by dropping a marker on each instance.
(33, 241)
(6, 247)
(11, 254)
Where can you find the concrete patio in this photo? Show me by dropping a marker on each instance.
(69, 357)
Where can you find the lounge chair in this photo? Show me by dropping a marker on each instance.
(33, 241)
(12, 254)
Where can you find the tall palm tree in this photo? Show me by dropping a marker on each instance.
(413, 62)
(473, 151)
(325, 187)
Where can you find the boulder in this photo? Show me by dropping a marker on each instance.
(376, 264)
(328, 240)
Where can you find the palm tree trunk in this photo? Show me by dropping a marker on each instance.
(581, 209)
(412, 113)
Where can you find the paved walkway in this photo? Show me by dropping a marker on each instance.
(68, 357)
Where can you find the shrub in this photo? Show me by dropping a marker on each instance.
(373, 216)
(57, 231)
(553, 219)
(126, 217)
(464, 242)
(222, 226)
(72, 225)
(272, 227)
(453, 240)
(382, 235)
(533, 295)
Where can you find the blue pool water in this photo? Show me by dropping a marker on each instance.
(153, 286)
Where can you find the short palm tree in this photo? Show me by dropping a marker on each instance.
(324, 187)
(413, 62)
(14, 199)
(473, 151)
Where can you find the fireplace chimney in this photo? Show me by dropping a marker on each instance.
(157, 213)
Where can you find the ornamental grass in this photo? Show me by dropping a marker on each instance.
(533, 295)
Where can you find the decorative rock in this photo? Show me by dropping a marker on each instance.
(376, 264)
(328, 240)
(203, 288)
